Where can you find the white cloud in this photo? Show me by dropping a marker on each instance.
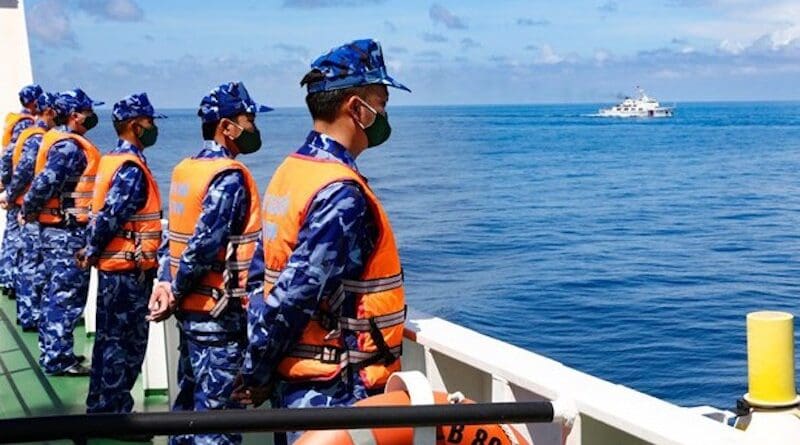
(547, 56)
(49, 24)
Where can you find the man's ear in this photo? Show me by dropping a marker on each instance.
(229, 128)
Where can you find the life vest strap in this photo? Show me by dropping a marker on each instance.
(76, 211)
(353, 286)
(343, 357)
(220, 297)
(244, 238)
(373, 286)
(132, 235)
(130, 256)
(179, 237)
(139, 217)
(75, 195)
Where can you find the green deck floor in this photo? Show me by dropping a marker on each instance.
(26, 391)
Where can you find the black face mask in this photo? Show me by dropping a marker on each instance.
(148, 136)
(248, 141)
(90, 121)
(379, 130)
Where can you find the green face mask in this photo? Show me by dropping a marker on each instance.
(248, 141)
(148, 136)
(379, 131)
(90, 121)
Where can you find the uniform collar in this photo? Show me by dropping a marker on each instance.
(65, 129)
(124, 146)
(212, 149)
(41, 124)
(320, 145)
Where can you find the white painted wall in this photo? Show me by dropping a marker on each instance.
(15, 71)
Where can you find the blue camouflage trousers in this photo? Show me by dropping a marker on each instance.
(63, 296)
(208, 364)
(8, 255)
(120, 341)
(344, 390)
(29, 282)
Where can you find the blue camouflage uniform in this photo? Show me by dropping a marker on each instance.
(26, 286)
(11, 244)
(65, 285)
(121, 336)
(338, 228)
(211, 348)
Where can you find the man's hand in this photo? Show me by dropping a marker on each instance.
(84, 262)
(23, 219)
(247, 395)
(162, 302)
(3, 201)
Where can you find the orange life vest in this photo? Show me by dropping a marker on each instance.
(17, 154)
(228, 278)
(135, 245)
(79, 188)
(320, 353)
(12, 119)
(494, 434)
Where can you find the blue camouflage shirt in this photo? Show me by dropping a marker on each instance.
(22, 175)
(334, 242)
(126, 195)
(65, 160)
(5, 161)
(224, 210)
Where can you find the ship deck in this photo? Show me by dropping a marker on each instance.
(25, 391)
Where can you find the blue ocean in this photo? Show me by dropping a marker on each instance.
(628, 249)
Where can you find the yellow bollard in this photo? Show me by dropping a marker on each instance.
(770, 360)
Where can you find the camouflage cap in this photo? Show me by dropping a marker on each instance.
(46, 100)
(135, 105)
(74, 100)
(228, 100)
(355, 64)
(30, 93)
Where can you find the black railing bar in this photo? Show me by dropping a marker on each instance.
(79, 427)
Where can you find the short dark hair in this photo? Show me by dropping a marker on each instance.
(209, 129)
(324, 105)
(119, 126)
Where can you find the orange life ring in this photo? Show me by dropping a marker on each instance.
(445, 434)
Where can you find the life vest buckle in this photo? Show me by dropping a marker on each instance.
(331, 355)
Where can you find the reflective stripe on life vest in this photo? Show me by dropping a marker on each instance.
(228, 277)
(135, 244)
(320, 353)
(78, 188)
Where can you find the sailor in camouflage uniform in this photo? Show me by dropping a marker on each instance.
(26, 286)
(16, 123)
(124, 235)
(59, 199)
(214, 222)
(300, 343)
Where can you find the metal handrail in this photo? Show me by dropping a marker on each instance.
(81, 427)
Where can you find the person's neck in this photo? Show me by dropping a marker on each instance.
(221, 140)
(132, 140)
(341, 135)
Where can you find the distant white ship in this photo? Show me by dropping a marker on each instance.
(642, 106)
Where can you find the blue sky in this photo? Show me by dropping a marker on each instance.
(447, 52)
